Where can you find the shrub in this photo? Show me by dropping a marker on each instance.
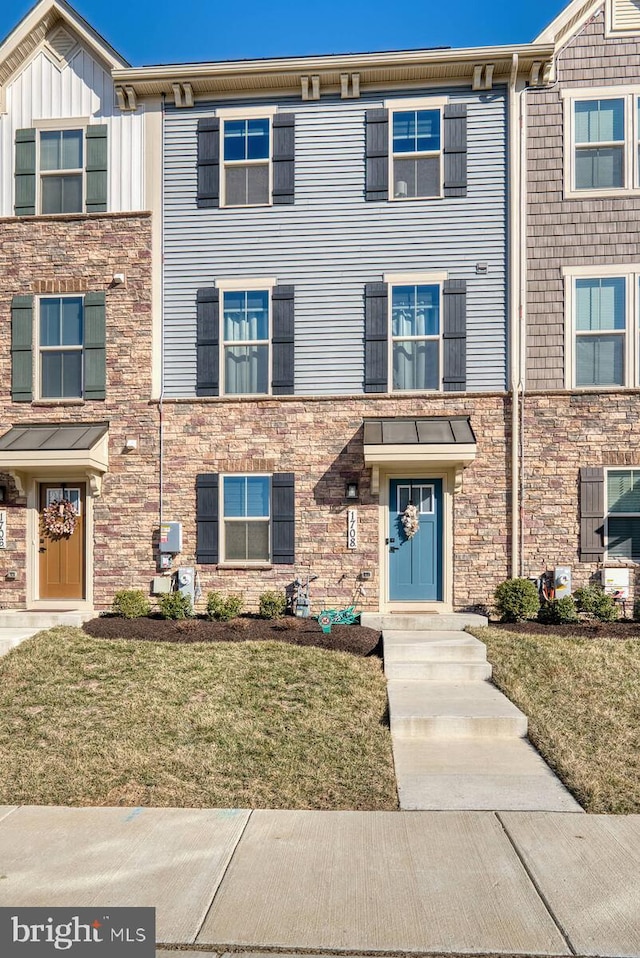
(222, 608)
(516, 599)
(272, 605)
(558, 611)
(593, 600)
(175, 605)
(130, 604)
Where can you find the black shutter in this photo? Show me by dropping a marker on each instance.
(208, 163)
(455, 149)
(208, 342)
(282, 340)
(22, 348)
(25, 173)
(207, 518)
(283, 526)
(284, 158)
(376, 337)
(591, 514)
(377, 155)
(454, 335)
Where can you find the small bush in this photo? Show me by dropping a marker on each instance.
(516, 599)
(594, 601)
(558, 611)
(175, 605)
(130, 604)
(272, 605)
(222, 608)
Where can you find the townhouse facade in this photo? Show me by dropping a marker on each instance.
(339, 316)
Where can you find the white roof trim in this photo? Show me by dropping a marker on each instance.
(578, 11)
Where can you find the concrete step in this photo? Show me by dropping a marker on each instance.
(438, 671)
(470, 774)
(420, 621)
(467, 709)
(18, 619)
(432, 647)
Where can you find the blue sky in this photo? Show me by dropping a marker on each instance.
(163, 31)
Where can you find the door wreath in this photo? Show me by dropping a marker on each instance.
(410, 521)
(59, 518)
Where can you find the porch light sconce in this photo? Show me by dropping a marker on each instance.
(3, 493)
(351, 491)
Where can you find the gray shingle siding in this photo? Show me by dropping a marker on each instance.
(330, 242)
(573, 232)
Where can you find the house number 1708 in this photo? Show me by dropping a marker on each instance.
(352, 529)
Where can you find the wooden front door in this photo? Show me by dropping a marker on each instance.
(62, 560)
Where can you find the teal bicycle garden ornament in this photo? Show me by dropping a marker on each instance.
(329, 617)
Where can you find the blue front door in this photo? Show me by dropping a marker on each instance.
(415, 561)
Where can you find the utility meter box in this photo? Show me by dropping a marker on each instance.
(186, 582)
(562, 581)
(170, 537)
(616, 583)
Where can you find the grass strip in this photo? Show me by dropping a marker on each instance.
(85, 721)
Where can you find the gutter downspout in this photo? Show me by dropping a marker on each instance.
(514, 264)
(523, 307)
(162, 343)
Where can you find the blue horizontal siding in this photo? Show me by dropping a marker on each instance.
(331, 242)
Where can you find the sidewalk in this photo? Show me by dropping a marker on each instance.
(454, 883)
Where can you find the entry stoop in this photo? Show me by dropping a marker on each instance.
(458, 742)
(23, 619)
(422, 622)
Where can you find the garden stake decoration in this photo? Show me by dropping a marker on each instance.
(348, 616)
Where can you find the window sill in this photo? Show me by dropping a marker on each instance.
(58, 402)
(250, 566)
(600, 193)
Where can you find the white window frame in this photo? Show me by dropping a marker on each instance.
(248, 113)
(248, 285)
(630, 272)
(405, 106)
(223, 520)
(61, 126)
(616, 515)
(39, 349)
(631, 97)
(414, 279)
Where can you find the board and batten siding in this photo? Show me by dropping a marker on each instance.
(80, 88)
(330, 242)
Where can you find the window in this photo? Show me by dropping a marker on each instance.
(604, 132)
(61, 338)
(245, 343)
(61, 171)
(602, 330)
(415, 337)
(416, 153)
(247, 168)
(623, 514)
(246, 505)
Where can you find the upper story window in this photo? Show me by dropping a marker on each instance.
(58, 347)
(416, 153)
(61, 170)
(246, 341)
(61, 329)
(603, 133)
(246, 157)
(247, 167)
(415, 337)
(602, 329)
(416, 149)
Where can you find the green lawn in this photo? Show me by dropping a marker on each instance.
(85, 721)
(582, 698)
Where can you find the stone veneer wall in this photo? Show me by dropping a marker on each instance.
(320, 440)
(74, 254)
(562, 434)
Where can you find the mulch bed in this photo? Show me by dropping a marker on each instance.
(246, 628)
(625, 629)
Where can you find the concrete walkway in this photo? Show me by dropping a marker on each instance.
(454, 883)
(458, 742)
